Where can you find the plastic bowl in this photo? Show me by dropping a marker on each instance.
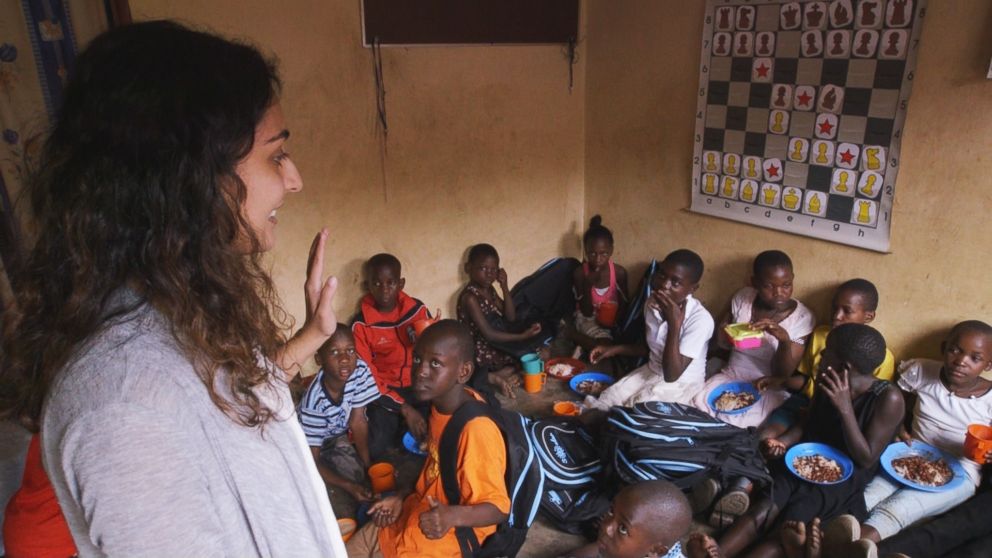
(900, 449)
(577, 367)
(812, 448)
(594, 376)
(566, 408)
(411, 445)
(733, 387)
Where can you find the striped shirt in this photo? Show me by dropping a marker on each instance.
(322, 417)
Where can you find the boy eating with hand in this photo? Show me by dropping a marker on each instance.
(422, 523)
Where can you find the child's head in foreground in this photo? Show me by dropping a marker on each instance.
(645, 519)
(855, 302)
(857, 347)
(337, 356)
(968, 350)
(678, 275)
(443, 360)
(482, 266)
(772, 277)
(384, 280)
(597, 243)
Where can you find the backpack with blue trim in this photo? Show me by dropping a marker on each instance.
(524, 478)
(680, 444)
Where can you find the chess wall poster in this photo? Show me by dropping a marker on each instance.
(801, 112)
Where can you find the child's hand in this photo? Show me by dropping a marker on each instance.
(414, 421)
(504, 385)
(766, 382)
(599, 352)
(531, 331)
(903, 435)
(988, 456)
(435, 522)
(836, 387)
(502, 279)
(359, 492)
(772, 328)
(386, 511)
(671, 310)
(772, 448)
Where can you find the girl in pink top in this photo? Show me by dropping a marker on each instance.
(600, 287)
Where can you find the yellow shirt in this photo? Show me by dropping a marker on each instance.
(811, 361)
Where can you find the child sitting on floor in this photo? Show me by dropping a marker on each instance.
(384, 338)
(645, 519)
(333, 405)
(767, 305)
(854, 302)
(945, 397)
(491, 320)
(421, 524)
(678, 331)
(599, 281)
(853, 412)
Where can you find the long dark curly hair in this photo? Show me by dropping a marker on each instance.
(136, 189)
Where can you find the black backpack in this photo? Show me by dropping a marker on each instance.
(680, 444)
(524, 478)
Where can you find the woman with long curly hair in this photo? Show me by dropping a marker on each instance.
(147, 347)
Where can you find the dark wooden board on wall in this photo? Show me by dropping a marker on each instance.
(438, 22)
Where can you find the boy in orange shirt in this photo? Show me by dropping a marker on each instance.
(384, 338)
(422, 523)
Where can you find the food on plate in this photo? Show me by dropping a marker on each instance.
(732, 401)
(561, 370)
(592, 387)
(919, 469)
(816, 468)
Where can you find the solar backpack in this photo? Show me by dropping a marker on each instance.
(680, 444)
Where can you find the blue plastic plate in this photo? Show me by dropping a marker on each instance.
(803, 450)
(410, 443)
(733, 387)
(900, 449)
(595, 376)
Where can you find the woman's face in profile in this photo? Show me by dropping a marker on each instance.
(268, 174)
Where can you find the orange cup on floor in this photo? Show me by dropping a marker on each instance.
(566, 408)
(978, 442)
(383, 477)
(347, 528)
(534, 383)
(606, 314)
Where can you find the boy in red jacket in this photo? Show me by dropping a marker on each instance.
(384, 338)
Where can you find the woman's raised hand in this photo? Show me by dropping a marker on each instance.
(319, 294)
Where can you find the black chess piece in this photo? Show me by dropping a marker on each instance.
(742, 45)
(812, 48)
(837, 49)
(841, 15)
(893, 48)
(814, 15)
(744, 18)
(868, 14)
(721, 44)
(863, 49)
(780, 97)
(790, 17)
(724, 18)
(763, 49)
(898, 12)
(829, 100)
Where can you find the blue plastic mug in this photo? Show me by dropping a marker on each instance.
(532, 363)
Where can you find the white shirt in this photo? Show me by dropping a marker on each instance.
(697, 330)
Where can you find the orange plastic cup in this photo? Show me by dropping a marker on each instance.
(347, 528)
(978, 442)
(533, 383)
(566, 408)
(383, 477)
(606, 314)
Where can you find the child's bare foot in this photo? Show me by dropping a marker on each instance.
(793, 534)
(502, 385)
(814, 536)
(701, 546)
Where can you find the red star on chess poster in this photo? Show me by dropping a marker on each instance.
(826, 127)
(847, 156)
(804, 99)
(772, 170)
(762, 70)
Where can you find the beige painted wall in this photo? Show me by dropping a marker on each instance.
(485, 145)
(642, 75)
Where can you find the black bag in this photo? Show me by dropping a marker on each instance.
(680, 444)
(524, 478)
(630, 328)
(546, 295)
